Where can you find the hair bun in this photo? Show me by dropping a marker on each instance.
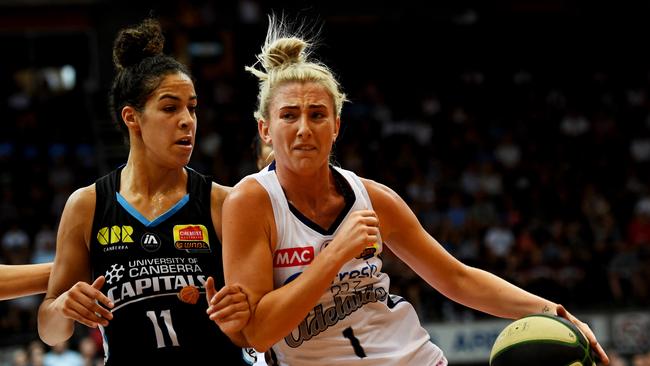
(283, 52)
(132, 45)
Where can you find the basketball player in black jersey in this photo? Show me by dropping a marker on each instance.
(135, 249)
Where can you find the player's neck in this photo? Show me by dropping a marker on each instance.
(308, 191)
(149, 181)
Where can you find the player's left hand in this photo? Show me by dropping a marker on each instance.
(228, 307)
(586, 331)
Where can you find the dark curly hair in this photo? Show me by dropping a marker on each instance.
(141, 66)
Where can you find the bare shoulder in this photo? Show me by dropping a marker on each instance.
(248, 191)
(78, 215)
(395, 216)
(248, 214)
(82, 200)
(380, 194)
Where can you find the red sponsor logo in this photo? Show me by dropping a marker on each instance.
(293, 257)
(191, 233)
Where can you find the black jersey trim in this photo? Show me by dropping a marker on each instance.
(393, 300)
(158, 220)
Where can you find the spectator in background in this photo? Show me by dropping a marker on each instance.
(615, 359)
(20, 358)
(44, 245)
(628, 267)
(499, 241)
(8, 207)
(88, 351)
(36, 351)
(638, 231)
(15, 244)
(642, 359)
(61, 355)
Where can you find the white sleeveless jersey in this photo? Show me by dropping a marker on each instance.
(356, 321)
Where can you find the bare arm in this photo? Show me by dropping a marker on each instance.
(249, 241)
(467, 285)
(227, 307)
(69, 297)
(23, 279)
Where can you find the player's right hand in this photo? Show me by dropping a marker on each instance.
(359, 231)
(227, 307)
(82, 303)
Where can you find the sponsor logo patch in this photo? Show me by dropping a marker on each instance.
(150, 242)
(115, 237)
(191, 238)
(292, 257)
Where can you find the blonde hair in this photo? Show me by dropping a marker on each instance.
(285, 57)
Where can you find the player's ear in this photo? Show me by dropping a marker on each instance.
(264, 129)
(130, 118)
(337, 127)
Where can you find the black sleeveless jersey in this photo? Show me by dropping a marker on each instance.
(146, 264)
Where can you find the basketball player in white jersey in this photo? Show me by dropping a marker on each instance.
(303, 238)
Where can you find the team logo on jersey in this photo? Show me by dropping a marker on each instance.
(292, 257)
(368, 252)
(114, 274)
(115, 237)
(191, 238)
(146, 277)
(150, 242)
(321, 318)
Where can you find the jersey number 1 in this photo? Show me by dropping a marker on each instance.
(358, 350)
(167, 320)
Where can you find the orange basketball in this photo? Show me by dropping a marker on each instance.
(189, 294)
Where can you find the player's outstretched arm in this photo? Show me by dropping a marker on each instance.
(70, 297)
(467, 285)
(23, 279)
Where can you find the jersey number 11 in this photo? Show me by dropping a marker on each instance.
(167, 320)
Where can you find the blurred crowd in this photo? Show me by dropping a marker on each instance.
(538, 174)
